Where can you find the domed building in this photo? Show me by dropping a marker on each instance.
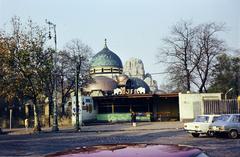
(106, 71)
(106, 63)
(117, 92)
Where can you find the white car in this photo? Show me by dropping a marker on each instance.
(200, 125)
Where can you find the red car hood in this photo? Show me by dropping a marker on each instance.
(130, 150)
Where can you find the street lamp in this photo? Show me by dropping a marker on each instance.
(78, 61)
(55, 113)
(227, 93)
(77, 126)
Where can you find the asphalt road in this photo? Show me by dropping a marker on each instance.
(45, 143)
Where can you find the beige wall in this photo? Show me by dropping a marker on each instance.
(191, 105)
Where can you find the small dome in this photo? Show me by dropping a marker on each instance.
(102, 83)
(106, 58)
(135, 83)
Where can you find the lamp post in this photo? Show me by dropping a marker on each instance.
(55, 113)
(228, 92)
(77, 126)
(78, 61)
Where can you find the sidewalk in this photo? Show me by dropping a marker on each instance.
(105, 128)
(129, 127)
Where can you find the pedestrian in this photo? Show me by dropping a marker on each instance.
(26, 123)
(133, 116)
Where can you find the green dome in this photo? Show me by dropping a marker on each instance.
(106, 58)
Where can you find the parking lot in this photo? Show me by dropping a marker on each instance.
(158, 132)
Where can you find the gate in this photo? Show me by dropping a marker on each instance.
(221, 106)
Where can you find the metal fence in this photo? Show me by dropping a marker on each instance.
(221, 106)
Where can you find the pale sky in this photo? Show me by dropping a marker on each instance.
(133, 28)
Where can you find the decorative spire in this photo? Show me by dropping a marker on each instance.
(105, 42)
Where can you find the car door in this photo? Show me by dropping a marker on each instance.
(204, 126)
(236, 122)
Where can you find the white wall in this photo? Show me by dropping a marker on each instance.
(191, 105)
(87, 111)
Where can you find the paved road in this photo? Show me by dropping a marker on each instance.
(45, 143)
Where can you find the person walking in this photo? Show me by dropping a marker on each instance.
(26, 123)
(133, 116)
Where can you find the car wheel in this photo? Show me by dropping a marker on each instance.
(210, 133)
(195, 134)
(233, 134)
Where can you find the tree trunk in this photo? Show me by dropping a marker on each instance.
(50, 103)
(204, 78)
(37, 126)
(63, 105)
(188, 81)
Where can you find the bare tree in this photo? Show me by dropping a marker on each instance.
(210, 46)
(179, 55)
(75, 54)
(190, 53)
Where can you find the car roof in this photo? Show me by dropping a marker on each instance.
(210, 115)
(232, 114)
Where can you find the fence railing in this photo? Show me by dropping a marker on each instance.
(221, 106)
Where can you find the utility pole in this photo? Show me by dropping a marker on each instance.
(55, 112)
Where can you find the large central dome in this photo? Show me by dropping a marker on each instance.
(106, 63)
(106, 58)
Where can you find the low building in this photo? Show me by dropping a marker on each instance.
(163, 107)
(192, 104)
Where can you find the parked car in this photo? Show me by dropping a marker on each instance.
(132, 150)
(228, 123)
(200, 125)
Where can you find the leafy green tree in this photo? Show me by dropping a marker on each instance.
(236, 76)
(27, 66)
(226, 75)
(24, 47)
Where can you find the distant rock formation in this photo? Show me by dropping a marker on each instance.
(134, 67)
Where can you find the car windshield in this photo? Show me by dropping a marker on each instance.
(223, 118)
(215, 118)
(201, 119)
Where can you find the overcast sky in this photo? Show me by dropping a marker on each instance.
(133, 28)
